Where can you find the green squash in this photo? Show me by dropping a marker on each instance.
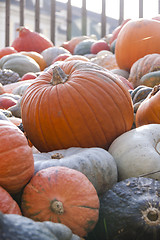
(129, 211)
(141, 93)
(150, 79)
(84, 47)
(16, 227)
(95, 163)
(19, 63)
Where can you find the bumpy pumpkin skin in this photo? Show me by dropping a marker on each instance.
(61, 194)
(17, 164)
(89, 107)
(130, 210)
(136, 39)
(7, 204)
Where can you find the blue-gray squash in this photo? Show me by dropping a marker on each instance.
(96, 164)
(16, 227)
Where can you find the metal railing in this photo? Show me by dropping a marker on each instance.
(69, 17)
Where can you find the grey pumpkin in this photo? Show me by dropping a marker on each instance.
(97, 164)
(16, 227)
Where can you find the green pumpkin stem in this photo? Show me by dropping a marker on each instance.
(59, 76)
(57, 207)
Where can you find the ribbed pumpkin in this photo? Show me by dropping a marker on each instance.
(136, 39)
(76, 104)
(64, 195)
(16, 158)
(7, 203)
(144, 65)
(29, 40)
(148, 111)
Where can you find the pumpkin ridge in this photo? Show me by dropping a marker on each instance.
(58, 139)
(107, 91)
(79, 109)
(127, 98)
(11, 150)
(49, 93)
(116, 81)
(69, 126)
(99, 125)
(40, 96)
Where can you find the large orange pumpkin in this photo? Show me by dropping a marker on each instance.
(76, 104)
(64, 195)
(136, 39)
(16, 158)
(7, 204)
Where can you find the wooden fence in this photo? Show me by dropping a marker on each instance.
(69, 17)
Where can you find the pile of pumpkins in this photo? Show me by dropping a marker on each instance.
(80, 136)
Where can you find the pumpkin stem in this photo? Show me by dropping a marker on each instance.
(155, 90)
(151, 216)
(57, 156)
(57, 207)
(59, 76)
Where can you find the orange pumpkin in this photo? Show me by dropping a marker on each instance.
(17, 164)
(77, 57)
(136, 39)
(29, 40)
(117, 30)
(37, 57)
(61, 194)
(71, 44)
(7, 50)
(76, 104)
(107, 61)
(146, 64)
(148, 111)
(7, 204)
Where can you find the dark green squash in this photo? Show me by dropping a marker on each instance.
(16, 227)
(129, 211)
(141, 94)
